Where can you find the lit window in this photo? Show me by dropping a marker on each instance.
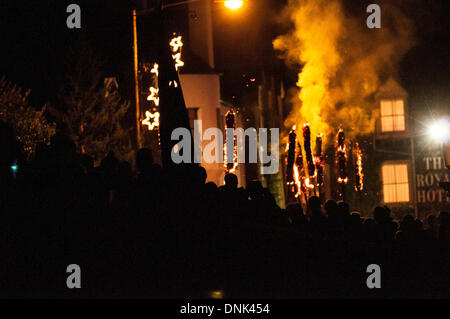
(395, 183)
(392, 116)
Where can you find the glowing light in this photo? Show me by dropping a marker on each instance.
(14, 168)
(154, 95)
(292, 172)
(176, 44)
(178, 62)
(218, 294)
(308, 184)
(155, 120)
(341, 157)
(359, 171)
(155, 69)
(440, 130)
(234, 4)
(294, 166)
(318, 160)
(174, 83)
(298, 182)
(230, 167)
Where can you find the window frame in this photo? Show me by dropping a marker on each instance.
(196, 110)
(410, 182)
(393, 116)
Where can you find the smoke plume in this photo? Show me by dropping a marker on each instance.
(343, 63)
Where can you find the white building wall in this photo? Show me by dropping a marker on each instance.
(202, 91)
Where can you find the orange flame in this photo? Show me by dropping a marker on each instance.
(341, 63)
(308, 184)
(359, 169)
(298, 182)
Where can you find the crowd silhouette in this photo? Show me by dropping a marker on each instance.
(166, 233)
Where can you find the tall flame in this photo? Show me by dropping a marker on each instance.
(341, 157)
(359, 186)
(343, 62)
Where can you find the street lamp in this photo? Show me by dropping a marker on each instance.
(439, 130)
(231, 4)
(234, 4)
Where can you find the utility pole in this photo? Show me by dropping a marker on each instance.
(136, 83)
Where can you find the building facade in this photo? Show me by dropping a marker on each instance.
(411, 162)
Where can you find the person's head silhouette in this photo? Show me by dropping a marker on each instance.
(231, 181)
(144, 160)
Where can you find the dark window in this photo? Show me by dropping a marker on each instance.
(193, 115)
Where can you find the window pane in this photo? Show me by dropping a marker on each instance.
(399, 123)
(398, 108)
(402, 193)
(401, 173)
(388, 174)
(386, 124)
(386, 107)
(395, 183)
(192, 113)
(389, 193)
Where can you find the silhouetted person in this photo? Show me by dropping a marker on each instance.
(231, 181)
(295, 214)
(144, 160)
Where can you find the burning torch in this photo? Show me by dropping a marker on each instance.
(308, 153)
(359, 185)
(230, 122)
(318, 161)
(291, 156)
(341, 155)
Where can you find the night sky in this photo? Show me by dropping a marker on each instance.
(35, 40)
